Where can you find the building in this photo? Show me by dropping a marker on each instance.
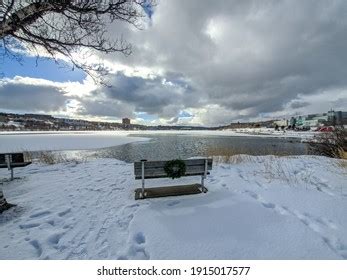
(330, 118)
(281, 123)
(126, 121)
(337, 118)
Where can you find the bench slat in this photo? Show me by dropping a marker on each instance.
(161, 171)
(165, 176)
(15, 164)
(148, 164)
(200, 165)
(155, 169)
(15, 157)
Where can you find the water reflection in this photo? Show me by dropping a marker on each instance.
(164, 147)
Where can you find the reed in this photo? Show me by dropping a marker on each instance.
(50, 157)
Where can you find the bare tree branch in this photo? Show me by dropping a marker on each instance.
(68, 26)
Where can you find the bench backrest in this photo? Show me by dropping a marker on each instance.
(155, 169)
(13, 157)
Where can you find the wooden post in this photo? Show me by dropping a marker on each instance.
(143, 177)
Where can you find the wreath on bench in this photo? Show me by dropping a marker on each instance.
(175, 168)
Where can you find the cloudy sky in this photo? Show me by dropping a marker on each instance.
(201, 62)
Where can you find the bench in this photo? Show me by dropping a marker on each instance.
(12, 160)
(156, 169)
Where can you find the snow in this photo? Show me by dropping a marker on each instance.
(270, 132)
(249, 132)
(257, 207)
(40, 141)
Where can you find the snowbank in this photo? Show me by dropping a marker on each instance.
(270, 132)
(250, 132)
(256, 208)
(40, 141)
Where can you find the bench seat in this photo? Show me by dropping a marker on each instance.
(16, 164)
(156, 169)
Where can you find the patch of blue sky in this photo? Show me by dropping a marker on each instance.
(43, 69)
(185, 114)
(145, 116)
(148, 8)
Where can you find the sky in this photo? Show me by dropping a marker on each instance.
(200, 62)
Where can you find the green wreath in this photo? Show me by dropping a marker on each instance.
(175, 168)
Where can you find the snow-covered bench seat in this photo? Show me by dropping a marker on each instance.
(156, 169)
(12, 160)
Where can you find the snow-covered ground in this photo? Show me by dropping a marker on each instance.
(249, 132)
(256, 208)
(270, 132)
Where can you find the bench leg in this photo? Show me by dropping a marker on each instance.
(12, 174)
(203, 183)
(143, 189)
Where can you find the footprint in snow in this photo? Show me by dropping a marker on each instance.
(64, 212)
(28, 226)
(268, 205)
(40, 214)
(173, 203)
(37, 247)
(136, 251)
(139, 238)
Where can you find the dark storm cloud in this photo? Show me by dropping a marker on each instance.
(298, 104)
(225, 61)
(159, 96)
(105, 108)
(247, 55)
(17, 95)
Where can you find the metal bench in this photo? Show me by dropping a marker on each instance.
(12, 160)
(155, 169)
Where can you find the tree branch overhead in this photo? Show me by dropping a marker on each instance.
(66, 27)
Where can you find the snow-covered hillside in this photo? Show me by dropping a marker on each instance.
(256, 208)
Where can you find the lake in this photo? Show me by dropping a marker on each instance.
(171, 146)
(150, 146)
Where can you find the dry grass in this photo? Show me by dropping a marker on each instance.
(331, 144)
(341, 164)
(342, 154)
(274, 168)
(49, 158)
(236, 156)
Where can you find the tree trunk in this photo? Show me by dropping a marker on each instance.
(4, 205)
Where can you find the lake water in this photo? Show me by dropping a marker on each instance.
(171, 146)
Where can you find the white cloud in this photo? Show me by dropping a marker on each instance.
(225, 61)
